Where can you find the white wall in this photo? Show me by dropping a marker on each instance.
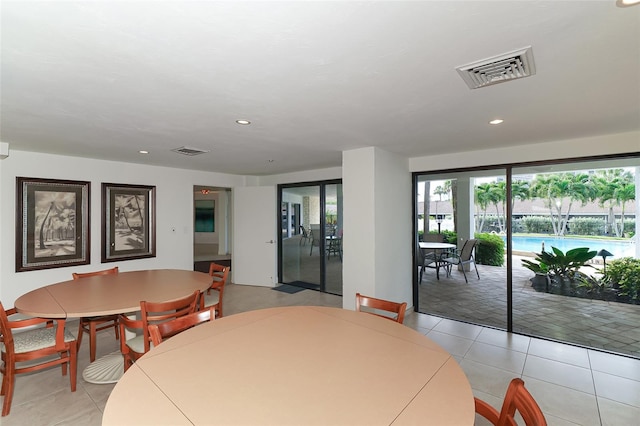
(174, 204)
(584, 147)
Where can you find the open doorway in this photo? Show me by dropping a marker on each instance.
(211, 227)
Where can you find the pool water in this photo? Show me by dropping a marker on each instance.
(534, 244)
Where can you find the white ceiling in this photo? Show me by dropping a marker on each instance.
(106, 79)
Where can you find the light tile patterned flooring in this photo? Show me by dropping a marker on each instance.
(572, 385)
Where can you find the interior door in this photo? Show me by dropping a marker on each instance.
(254, 230)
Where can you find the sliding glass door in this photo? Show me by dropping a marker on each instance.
(310, 246)
(557, 249)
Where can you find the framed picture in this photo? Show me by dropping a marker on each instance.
(52, 223)
(128, 222)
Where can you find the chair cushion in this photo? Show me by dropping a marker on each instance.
(39, 338)
(136, 344)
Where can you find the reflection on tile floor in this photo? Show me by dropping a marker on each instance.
(572, 385)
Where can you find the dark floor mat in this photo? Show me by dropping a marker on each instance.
(305, 284)
(286, 288)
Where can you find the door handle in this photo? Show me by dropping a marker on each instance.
(270, 242)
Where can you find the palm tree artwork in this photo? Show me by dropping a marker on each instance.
(55, 223)
(129, 226)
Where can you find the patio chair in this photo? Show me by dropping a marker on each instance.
(304, 235)
(462, 258)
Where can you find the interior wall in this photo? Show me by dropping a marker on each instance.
(174, 206)
(571, 148)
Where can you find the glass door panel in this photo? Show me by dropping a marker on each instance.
(333, 239)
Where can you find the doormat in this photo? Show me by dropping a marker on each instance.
(306, 285)
(286, 288)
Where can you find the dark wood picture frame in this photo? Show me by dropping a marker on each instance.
(128, 222)
(52, 223)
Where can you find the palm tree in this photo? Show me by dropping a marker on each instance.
(482, 199)
(615, 188)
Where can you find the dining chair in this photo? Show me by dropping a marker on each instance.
(376, 305)
(517, 398)
(40, 344)
(160, 331)
(219, 274)
(150, 313)
(304, 235)
(92, 325)
(463, 258)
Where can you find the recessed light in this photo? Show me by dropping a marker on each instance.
(627, 3)
(496, 121)
(143, 152)
(243, 122)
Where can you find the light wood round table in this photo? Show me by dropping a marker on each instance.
(107, 295)
(301, 365)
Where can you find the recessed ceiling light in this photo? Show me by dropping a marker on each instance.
(143, 152)
(627, 3)
(243, 122)
(496, 121)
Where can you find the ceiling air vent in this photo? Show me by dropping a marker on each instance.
(185, 150)
(498, 69)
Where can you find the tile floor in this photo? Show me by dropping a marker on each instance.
(572, 385)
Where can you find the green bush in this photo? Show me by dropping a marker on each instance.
(587, 226)
(538, 224)
(625, 274)
(490, 250)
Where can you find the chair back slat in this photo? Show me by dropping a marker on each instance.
(78, 275)
(159, 332)
(381, 305)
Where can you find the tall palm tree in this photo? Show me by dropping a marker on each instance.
(482, 199)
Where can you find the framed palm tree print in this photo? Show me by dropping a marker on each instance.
(128, 222)
(52, 223)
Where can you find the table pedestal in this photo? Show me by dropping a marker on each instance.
(107, 369)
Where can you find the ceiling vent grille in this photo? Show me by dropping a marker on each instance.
(185, 150)
(498, 69)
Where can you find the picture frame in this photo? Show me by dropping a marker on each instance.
(128, 222)
(52, 223)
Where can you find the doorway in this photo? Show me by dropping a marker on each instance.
(211, 227)
(311, 237)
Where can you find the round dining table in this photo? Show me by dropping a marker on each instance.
(109, 294)
(438, 249)
(299, 365)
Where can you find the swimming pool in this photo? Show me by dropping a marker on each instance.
(534, 244)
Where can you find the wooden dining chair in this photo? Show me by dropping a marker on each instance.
(150, 313)
(92, 325)
(377, 305)
(518, 399)
(219, 274)
(160, 331)
(41, 345)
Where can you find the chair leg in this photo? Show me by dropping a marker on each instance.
(80, 333)
(476, 267)
(8, 383)
(92, 341)
(73, 366)
(464, 273)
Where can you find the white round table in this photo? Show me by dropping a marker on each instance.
(107, 295)
(301, 365)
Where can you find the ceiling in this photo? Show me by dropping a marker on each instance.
(107, 79)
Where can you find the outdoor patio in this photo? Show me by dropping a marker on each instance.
(597, 324)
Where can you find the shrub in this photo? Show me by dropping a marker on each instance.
(560, 264)
(490, 250)
(625, 274)
(538, 224)
(587, 226)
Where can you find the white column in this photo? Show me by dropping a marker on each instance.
(377, 226)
